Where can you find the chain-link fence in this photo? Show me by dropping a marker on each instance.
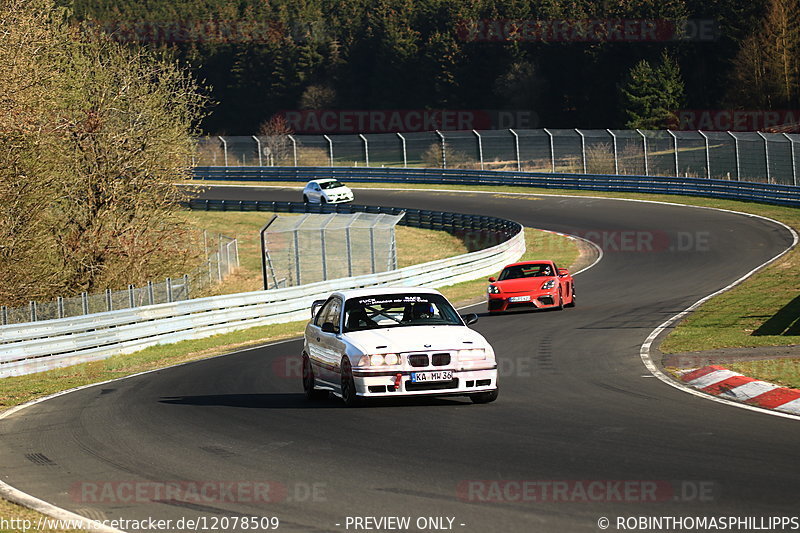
(316, 247)
(750, 156)
(222, 255)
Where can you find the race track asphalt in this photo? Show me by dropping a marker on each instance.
(579, 419)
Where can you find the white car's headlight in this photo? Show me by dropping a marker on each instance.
(386, 359)
(493, 289)
(473, 354)
(549, 284)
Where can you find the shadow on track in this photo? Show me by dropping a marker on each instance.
(299, 401)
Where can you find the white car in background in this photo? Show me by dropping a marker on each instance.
(389, 342)
(326, 191)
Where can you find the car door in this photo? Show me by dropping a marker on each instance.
(328, 348)
(316, 192)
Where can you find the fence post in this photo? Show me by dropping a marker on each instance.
(794, 164)
(224, 148)
(3, 315)
(372, 247)
(297, 255)
(330, 148)
(32, 306)
(708, 155)
(130, 297)
(616, 159)
(219, 258)
(151, 295)
(168, 283)
(480, 147)
(348, 245)
(675, 141)
(60, 306)
(405, 155)
(516, 149)
(583, 148)
(186, 285)
(736, 150)
(322, 248)
(766, 155)
(552, 151)
(366, 148)
(85, 302)
(644, 144)
(444, 162)
(109, 303)
(258, 145)
(294, 148)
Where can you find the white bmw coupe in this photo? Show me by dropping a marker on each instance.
(388, 342)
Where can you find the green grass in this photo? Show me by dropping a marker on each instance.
(784, 372)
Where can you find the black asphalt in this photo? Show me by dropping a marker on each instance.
(576, 407)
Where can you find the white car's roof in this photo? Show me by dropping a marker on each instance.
(323, 180)
(359, 293)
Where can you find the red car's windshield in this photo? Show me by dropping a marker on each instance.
(526, 271)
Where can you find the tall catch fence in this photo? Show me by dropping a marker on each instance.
(738, 156)
(318, 247)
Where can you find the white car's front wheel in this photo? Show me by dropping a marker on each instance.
(348, 384)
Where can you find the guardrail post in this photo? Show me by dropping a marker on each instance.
(405, 154)
(736, 151)
(330, 148)
(60, 306)
(151, 294)
(168, 283)
(130, 297)
(444, 155)
(258, 147)
(552, 151)
(109, 302)
(708, 155)
(480, 147)
(794, 165)
(644, 145)
(766, 155)
(3, 315)
(294, 148)
(516, 149)
(85, 303)
(366, 148)
(616, 159)
(675, 141)
(224, 148)
(583, 148)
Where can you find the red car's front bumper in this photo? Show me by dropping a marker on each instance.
(532, 300)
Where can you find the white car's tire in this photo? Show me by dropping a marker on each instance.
(348, 384)
(309, 381)
(484, 397)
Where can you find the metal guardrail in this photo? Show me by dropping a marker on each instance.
(788, 195)
(41, 346)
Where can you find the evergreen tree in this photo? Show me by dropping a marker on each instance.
(652, 94)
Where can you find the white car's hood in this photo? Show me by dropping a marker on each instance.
(416, 339)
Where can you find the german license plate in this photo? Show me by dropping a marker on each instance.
(438, 375)
(520, 299)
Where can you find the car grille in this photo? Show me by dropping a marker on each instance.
(435, 385)
(418, 360)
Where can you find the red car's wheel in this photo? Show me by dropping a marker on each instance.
(572, 296)
(560, 300)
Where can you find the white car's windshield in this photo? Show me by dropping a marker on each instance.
(399, 310)
(331, 184)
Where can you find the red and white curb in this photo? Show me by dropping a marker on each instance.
(719, 381)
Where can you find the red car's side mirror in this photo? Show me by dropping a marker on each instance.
(492, 279)
(563, 272)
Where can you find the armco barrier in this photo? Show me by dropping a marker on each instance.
(40, 346)
(788, 195)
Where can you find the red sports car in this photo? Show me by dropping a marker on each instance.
(531, 284)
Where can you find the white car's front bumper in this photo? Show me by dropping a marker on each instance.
(371, 384)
